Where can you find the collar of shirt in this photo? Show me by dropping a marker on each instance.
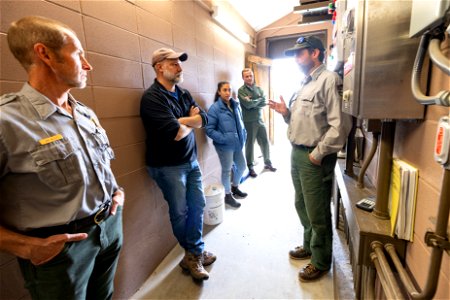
(316, 73)
(44, 107)
(178, 90)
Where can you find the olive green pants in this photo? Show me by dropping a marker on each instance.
(256, 130)
(312, 186)
(83, 270)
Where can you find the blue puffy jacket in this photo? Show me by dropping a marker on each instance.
(225, 127)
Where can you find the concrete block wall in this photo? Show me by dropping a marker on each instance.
(119, 37)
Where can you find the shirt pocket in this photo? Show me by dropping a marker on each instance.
(306, 104)
(103, 148)
(57, 164)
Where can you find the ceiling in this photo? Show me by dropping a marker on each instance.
(260, 13)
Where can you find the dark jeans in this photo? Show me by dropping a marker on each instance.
(183, 190)
(83, 270)
(312, 185)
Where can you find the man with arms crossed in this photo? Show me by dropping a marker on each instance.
(170, 115)
(253, 101)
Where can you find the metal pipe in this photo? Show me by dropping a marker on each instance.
(384, 283)
(386, 270)
(438, 58)
(443, 97)
(404, 277)
(384, 169)
(368, 160)
(350, 151)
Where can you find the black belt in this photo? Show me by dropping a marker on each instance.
(74, 226)
(303, 147)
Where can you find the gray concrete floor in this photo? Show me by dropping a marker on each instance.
(252, 245)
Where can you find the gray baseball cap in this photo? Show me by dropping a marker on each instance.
(305, 42)
(167, 53)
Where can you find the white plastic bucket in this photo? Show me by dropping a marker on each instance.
(214, 208)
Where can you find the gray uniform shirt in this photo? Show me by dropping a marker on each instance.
(315, 117)
(54, 168)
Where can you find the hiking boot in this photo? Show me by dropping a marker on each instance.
(270, 168)
(229, 199)
(299, 253)
(193, 264)
(208, 258)
(310, 273)
(252, 173)
(237, 192)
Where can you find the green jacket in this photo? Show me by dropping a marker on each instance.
(253, 105)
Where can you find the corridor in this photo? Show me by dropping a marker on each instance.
(252, 245)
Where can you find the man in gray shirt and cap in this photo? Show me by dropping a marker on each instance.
(317, 131)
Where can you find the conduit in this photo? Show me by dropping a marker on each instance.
(368, 160)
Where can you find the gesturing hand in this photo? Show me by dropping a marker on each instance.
(279, 107)
(43, 250)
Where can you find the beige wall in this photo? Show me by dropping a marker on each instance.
(119, 37)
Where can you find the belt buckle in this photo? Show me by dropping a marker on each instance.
(101, 215)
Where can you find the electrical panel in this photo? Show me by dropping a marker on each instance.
(379, 58)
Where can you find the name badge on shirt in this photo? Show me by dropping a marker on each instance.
(51, 139)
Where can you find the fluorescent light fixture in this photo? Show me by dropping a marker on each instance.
(229, 25)
(311, 6)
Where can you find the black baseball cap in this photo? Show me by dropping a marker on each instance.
(305, 42)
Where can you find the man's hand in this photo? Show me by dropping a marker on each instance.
(117, 200)
(194, 111)
(279, 107)
(43, 250)
(314, 161)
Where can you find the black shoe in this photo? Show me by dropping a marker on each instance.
(270, 168)
(237, 192)
(229, 200)
(252, 173)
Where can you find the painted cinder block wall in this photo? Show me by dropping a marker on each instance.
(119, 37)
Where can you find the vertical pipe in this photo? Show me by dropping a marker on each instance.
(350, 153)
(368, 159)
(386, 287)
(384, 169)
(404, 277)
(371, 284)
(441, 231)
(386, 270)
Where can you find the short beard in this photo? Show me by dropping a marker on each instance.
(173, 78)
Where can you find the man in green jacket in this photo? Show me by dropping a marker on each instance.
(252, 101)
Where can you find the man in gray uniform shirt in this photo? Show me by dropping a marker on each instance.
(317, 131)
(60, 205)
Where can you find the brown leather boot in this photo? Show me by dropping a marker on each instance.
(193, 264)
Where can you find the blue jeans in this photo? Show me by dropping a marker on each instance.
(183, 190)
(227, 158)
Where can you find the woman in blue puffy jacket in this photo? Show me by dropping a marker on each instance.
(226, 129)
